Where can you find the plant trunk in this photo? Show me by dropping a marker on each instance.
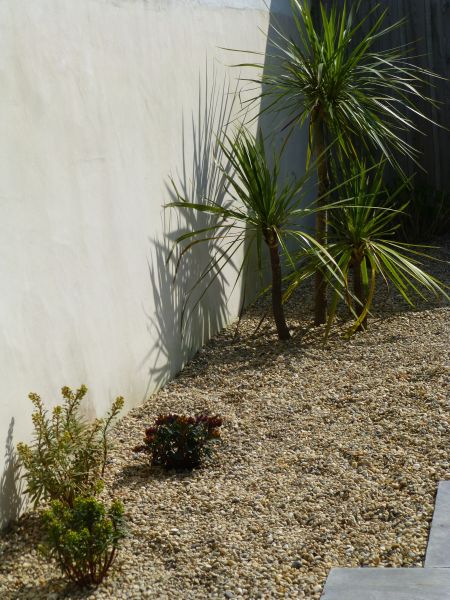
(320, 299)
(277, 295)
(358, 289)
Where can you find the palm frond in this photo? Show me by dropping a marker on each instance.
(364, 95)
(257, 211)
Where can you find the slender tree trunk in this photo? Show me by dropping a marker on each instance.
(320, 300)
(359, 291)
(277, 295)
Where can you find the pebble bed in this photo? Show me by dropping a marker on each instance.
(330, 457)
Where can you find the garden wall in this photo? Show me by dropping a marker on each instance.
(101, 101)
(427, 31)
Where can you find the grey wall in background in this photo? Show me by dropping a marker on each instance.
(428, 26)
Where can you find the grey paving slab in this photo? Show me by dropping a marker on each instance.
(387, 584)
(438, 550)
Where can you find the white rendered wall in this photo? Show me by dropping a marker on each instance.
(101, 100)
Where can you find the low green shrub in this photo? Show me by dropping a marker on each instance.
(180, 442)
(83, 538)
(68, 455)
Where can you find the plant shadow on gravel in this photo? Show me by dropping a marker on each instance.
(131, 476)
(141, 473)
(28, 528)
(136, 475)
(48, 589)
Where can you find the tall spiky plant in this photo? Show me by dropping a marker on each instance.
(332, 77)
(259, 211)
(362, 242)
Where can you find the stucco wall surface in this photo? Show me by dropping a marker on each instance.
(101, 101)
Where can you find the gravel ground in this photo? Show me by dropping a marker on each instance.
(330, 457)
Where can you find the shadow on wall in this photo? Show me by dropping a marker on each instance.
(11, 496)
(185, 317)
(200, 178)
(276, 126)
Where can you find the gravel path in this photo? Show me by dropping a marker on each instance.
(330, 457)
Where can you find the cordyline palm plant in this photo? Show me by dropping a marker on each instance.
(259, 211)
(332, 78)
(361, 241)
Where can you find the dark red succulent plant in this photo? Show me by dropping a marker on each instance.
(180, 441)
